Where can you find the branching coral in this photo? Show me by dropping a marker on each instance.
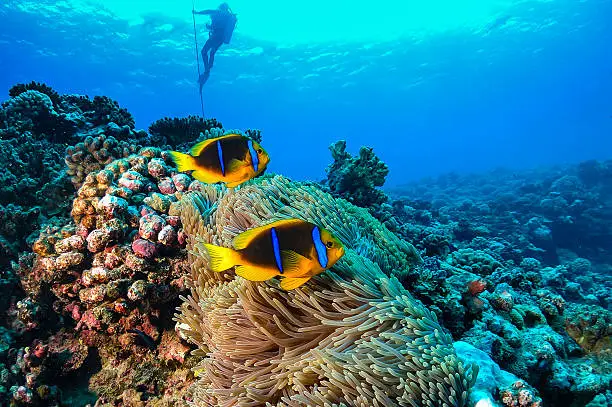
(177, 130)
(106, 110)
(357, 178)
(353, 336)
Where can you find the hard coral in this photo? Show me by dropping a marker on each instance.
(120, 255)
(353, 335)
(475, 261)
(591, 327)
(356, 178)
(93, 154)
(176, 131)
(106, 110)
(20, 88)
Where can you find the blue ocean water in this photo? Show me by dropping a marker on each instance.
(436, 87)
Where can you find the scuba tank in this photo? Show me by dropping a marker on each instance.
(229, 28)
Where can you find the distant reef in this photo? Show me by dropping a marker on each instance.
(482, 290)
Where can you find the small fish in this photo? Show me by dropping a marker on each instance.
(231, 159)
(148, 341)
(294, 249)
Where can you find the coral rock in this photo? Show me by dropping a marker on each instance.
(181, 182)
(98, 239)
(112, 206)
(144, 248)
(159, 202)
(167, 236)
(138, 290)
(67, 260)
(92, 295)
(157, 168)
(166, 186)
(150, 226)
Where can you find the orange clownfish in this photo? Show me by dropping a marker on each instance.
(231, 159)
(293, 249)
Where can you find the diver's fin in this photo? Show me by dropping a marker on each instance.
(205, 177)
(184, 162)
(203, 79)
(294, 262)
(255, 274)
(221, 258)
(289, 283)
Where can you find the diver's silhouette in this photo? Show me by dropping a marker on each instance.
(220, 29)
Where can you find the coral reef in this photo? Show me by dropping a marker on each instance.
(36, 124)
(356, 178)
(499, 275)
(494, 386)
(93, 153)
(352, 336)
(101, 244)
(112, 275)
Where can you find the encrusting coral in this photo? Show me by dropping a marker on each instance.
(352, 336)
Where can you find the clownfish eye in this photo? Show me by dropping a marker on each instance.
(329, 244)
(259, 151)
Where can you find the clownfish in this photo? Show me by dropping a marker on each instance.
(231, 159)
(294, 249)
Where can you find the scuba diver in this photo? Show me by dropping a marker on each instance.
(221, 28)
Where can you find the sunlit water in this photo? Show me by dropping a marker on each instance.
(433, 86)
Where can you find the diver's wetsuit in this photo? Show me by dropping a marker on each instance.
(221, 21)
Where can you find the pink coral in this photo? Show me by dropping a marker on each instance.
(144, 248)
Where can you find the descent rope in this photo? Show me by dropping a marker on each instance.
(195, 37)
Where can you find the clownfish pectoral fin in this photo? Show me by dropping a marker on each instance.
(290, 283)
(255, 274)
(294, 262)
(184, 162)
(221, 258)
(234, 165)
(205, 177)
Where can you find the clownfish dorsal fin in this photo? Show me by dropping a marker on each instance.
(197, 149)
(243, 239)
